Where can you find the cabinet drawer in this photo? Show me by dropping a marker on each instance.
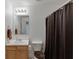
(22, 48)
(11, 48)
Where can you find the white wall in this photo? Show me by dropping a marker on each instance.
(8, 16)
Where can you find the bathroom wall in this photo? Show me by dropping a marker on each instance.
(37, 15)
(8, 16)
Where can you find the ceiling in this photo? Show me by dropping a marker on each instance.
(33, 2)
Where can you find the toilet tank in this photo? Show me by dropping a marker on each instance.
(37, 45)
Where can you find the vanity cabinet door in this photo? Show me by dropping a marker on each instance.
(22, 52)
(22, 55)
(10, 54)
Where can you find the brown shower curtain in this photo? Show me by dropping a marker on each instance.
(69, 31)
(49, 39)
(59, 33)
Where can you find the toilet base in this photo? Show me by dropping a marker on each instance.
(39, 55)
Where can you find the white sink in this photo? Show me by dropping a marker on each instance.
(18, 42)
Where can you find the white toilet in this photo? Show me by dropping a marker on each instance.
(37, 45)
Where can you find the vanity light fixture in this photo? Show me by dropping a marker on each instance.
(21, 11)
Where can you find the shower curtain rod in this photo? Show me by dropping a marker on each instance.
(71, 1)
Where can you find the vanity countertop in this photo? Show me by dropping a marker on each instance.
(17, 42)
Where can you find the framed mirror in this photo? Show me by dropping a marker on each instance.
(21, 24)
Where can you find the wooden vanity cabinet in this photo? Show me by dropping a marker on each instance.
(17, 52)
(10, 54)
(22, 52)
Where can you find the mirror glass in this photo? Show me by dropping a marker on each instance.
(21, 24)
